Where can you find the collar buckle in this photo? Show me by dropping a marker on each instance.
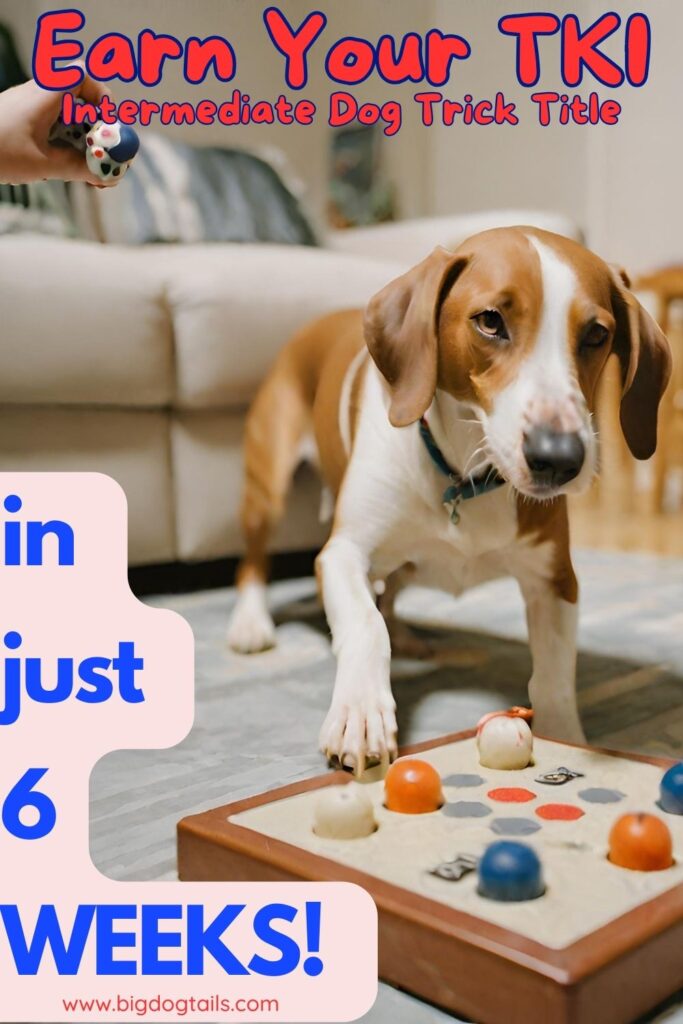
(451, 506)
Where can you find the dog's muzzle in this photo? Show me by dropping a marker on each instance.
(553, 457)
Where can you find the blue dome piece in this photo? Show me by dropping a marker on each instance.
(127, 147)
(671, 790)
(510, 872)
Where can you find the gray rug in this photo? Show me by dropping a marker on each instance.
(257, 718)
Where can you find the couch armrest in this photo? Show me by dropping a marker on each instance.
(409, 241)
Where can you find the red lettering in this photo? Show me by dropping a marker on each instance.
(544, 99)
(405, 67)
(482, 113)
(527, 27)
(637, 49)
(178, 113)
(450, 111)
(283, 109)
(576, 110)
(304, 112)
(229, 112)
(147, 109)
(441, 52)
(206, 111)
(392, 115)
(368, 113)
(128, 111)
(579, 49)
(427, 101)
(201, 54)
(107, 110)
(262, 113)
(343, 108)
(77, 113)
(48, 49)
(110, 57)
(505, 112)
(610, 111)
(153, 51)
(350, 61)
(580, 112)
(294, 45)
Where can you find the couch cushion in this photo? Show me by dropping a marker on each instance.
(235, 306)
(82, 324)
(130, 445)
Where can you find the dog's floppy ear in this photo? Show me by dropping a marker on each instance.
(645, 359)
(401, 327)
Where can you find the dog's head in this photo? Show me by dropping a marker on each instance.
(518, 324)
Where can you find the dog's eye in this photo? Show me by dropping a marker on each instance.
(491, 324)
(594, 336)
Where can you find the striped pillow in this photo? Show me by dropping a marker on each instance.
(179, 193)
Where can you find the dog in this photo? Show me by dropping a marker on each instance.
(451, 422)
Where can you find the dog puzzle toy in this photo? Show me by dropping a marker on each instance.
(511, 877)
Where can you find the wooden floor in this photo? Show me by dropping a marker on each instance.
(593, 527)
(618, 513)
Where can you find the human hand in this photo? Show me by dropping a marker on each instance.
(27, 114)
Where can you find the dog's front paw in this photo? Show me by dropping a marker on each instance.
(361, 730)
(251, 628)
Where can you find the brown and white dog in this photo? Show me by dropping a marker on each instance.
(498, 347)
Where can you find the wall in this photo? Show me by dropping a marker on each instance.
(635, 213)
(477, 167)
(620, 183)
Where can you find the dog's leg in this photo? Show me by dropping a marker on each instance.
(552, 625)
(361, 722)
(275, 427)
(405, 642)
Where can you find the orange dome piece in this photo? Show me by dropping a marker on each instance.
(641, 842)
(412, 786)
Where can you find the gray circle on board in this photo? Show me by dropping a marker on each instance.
(601, 795)
(514, 826)
(466, 809)
(463, 781)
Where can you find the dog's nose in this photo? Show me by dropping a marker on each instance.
(554, 457)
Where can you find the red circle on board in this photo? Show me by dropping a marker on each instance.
(511, 795)
(559, 812)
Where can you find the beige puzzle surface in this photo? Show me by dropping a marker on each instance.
(584, 891)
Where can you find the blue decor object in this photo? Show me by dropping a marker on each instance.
(510, 872)
(671, 790)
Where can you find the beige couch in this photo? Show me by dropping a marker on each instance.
(141, 362)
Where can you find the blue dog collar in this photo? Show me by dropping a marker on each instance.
(459, 489)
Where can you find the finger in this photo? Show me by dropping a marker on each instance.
(89, 89)
(67, 164)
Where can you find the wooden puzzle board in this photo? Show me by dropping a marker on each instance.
(584, 890)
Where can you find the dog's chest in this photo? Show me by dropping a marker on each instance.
(450, 555)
